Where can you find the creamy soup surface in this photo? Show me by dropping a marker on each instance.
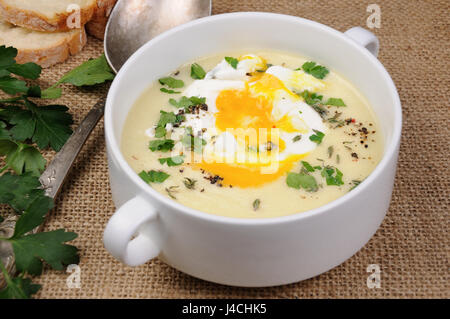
(320, 138)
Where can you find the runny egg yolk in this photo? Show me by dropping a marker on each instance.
(251, 108)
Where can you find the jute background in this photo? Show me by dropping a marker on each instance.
(412, 244)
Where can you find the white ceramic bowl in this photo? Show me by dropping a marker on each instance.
(249, 252)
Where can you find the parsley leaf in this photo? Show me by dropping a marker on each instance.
(19, 191)
(172, 161)
(308, 166)
(4, 133)
(315, 70)
(185, 102)
(301, 180)
(22, 157)
(7, 56)
(197, 72)
(12, 85)
(195, 100)
(31, 250)
(167, 117)
(171, 82)
(160, 131)
(153, 176)
(333, 176)
(29, 70)
(91, 72)
(45, 125)
(311, 98)
(51, 93)
(315, 101)
(18, 287)
(33, 216)
(164, 90)
(164, 145)
(318, 137)
(232, 61)
(335, 102)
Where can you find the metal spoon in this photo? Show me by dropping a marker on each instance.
(132, 23)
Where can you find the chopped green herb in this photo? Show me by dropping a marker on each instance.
(301, 180)
(315, 70)
(315, 101)
(297, 138)
(197, 72)
(154, 176)
(311, 98)
(232, 61)
(160, 131)
(330, 151)
(335, 120)
(256, 204)
(355, 184)
(164, 90)
(335, 102)
(164, 145)
(189, 183)
(333, 176)
(166, 117)
(191, 142)
(172, 161)
(197, 100)
(171, 190)
(185, 102)
(171, 82)
(317, 137)
(307, 166)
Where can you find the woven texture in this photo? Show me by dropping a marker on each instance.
(412, 244)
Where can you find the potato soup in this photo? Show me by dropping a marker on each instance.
(252, 135)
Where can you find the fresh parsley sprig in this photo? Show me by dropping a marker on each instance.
(92, 72)
(24, 124)
(317, 71)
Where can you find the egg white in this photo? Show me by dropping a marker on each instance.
(225, 77)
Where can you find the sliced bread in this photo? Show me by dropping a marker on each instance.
(45, 15)
(96, 27)
(43, 48)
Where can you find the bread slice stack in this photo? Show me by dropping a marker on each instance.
(47, 32)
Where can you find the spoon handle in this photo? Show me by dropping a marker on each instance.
(56, 172)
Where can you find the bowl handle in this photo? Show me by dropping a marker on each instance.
(364, 38)
(126, 235)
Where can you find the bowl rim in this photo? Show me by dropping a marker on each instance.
(390, 148)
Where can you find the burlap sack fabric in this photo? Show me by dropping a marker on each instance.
(412, 244)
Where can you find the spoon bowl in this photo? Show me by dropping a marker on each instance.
(134, 22)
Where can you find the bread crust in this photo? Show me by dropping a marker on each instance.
(97, 25)
(57, 53)
(35, 21)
